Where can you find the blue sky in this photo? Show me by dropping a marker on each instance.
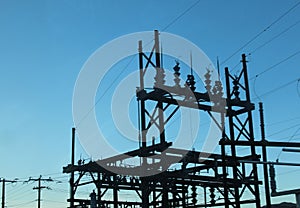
(44, 44)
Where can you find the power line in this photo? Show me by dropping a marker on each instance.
(105, 91)
(53, 201)
(285, 129)
(40, 187)
(294, 134)
(278, 88)
(22, 204)
(288, 172)
(275, 65)
(283, 121)
(130, 61)
(284, 138)
(254, 89)
(179, 16)
(298, 90)
(270, 68)
(260, 33)
(13, 193)
(235, 67)
(22, 195)
(275, 37)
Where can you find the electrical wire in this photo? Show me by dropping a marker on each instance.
(277, 88)
(181, 15)
(280, 122)
(14, 192)
(294, 134)
(274, 37)
(105, 91)
(283, 121)
(275, 65)
(284, 138)
(130, 61)
(22, 204)
(54, 201)
(235, 66)
(288, 172)
(254, 89)
(298, 90)
(283, 130)
(22, 195)
(278, 132)
(260, 33)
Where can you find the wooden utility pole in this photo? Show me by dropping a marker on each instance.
(40, 187)
(72, 189)
(3, 193)
(3, 189)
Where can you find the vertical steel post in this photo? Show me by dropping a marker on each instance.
(232, 137)
(115, 191)
(226, 199)
(142, 102)
(141, 65)
(165, 193)
(156, 45)
(297, 200)
(160, 103)
(98, 190)
(183, 196)
(264, 155)
(145, 192)
(154, 195)
(251, 132)
(205, 197)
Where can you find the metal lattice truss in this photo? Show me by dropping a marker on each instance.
(172, 177)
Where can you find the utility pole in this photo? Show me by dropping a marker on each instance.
(3, 189)
(72, 189)
(40, 187)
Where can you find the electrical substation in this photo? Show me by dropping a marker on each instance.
(225, 179)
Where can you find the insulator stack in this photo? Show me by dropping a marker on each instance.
(207, 81)
(236, 88)
(219, 88)
(194, 195)
(272, 179)
(217, 93)
(191, 82)
(159, 78)
(212, 195)
(176, 69)
(161, 175)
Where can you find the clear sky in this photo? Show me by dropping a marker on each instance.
(44, 44)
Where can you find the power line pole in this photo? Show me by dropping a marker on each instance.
(3, 189)
(40, 187)
(72, 188)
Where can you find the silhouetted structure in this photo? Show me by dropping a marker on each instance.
(282, 205)
(231, 175)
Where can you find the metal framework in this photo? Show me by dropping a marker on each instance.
(230, 178)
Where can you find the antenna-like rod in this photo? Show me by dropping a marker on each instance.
(218, 66)
(161, 56)
(191, 59)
